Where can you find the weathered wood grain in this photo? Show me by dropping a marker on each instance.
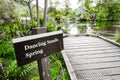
(92, 58)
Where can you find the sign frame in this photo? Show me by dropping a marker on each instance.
(45, 44)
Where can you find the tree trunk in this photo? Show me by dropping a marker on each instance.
(30, 9)
(37, 8)
(28, 2)
(45, 13)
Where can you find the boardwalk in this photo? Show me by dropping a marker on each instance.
(91, 58)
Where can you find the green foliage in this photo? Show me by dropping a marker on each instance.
(41, 20)
(104, 25)
(7, 51)
(13, 72)
(8, 11)
(87, 16)
(117, 37)
(58, 70)
(35, 23)
(96, 28)
(89, 9)
(60, 16)
(12, 28)
(11, 68)
(51, 26)
(87, 4)
(114, 11)
(20, 1)
(82, 29)
(1, 76)
(102, 15)
(106, 10)
(7, 54)
(72, 16)
(52, 12)
(4, 39)
(35, 78)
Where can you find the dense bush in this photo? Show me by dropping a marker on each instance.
(58, 70)
(51, 26)
(8, 59)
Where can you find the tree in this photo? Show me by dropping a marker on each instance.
(67, 8)
(37, 8)
(8, 12)
(108, 10)
(28, 2)
(20, 1)
(45, 13)
(114, 11)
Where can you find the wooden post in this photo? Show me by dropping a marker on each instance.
(41, 71)
(38, 47)
(38, 30)
(43, 64)
(44, 69)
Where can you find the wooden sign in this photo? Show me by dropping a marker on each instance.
(35, 47)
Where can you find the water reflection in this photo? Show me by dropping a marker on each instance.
(74, 31)
(89, 30)
(107, 28)
(100, 28)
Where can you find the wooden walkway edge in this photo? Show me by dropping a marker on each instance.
(69, 66)
(92, 58)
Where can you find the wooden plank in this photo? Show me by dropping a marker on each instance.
(96, 66)
(98, 72)
(86, 46)
(115, 77)
(82, 38)
(78, 61)
(92, 49)
(69, 67)
(93, 58)
(85, 42)
(89, 56)
(110, 41)
(83, 53)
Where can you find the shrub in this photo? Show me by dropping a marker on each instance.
(13, 72)
(117, 37)
(51, 26)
